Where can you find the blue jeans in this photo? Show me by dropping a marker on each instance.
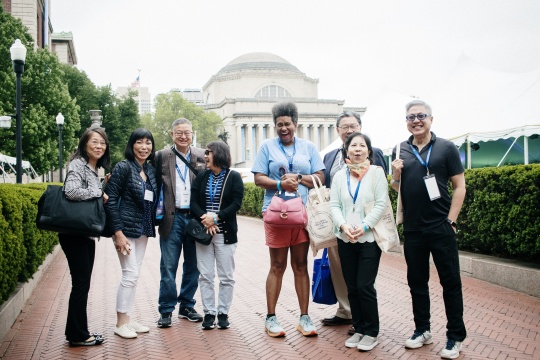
(171, 248)
(441, 242)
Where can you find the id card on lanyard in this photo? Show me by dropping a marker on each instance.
(353, 218)
(430, 180)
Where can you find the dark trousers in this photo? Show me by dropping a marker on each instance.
(441, 242)
(360, 264)
(80, 253)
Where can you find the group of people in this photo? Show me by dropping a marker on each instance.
(192, 183)
(356, 174)
(198, 183)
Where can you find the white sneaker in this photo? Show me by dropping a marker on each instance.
(353, 341)
(418, 339)
(139, 328)
(125, 331)
(452, 349)
(306, 326)
(367, 343)
(272, 327)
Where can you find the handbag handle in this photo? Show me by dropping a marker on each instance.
(324, 262)
(317, 188)
(398, 148)
(223, 189)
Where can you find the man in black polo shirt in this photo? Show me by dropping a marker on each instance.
(425, 165)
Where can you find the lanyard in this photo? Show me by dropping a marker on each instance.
(184, 176)
(424, 163)
(349, 186)
(211, 185)
(290, 158)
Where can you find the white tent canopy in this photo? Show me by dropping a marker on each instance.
(9, 163)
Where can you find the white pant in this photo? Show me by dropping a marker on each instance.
(223, 255)
(131, 268)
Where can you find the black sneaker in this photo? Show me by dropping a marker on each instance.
(223, 321)
(209, 321)
(165, 320)
(190, 314)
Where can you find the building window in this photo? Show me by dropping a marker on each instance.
(272, 91)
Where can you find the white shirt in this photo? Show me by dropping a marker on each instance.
(183, 188)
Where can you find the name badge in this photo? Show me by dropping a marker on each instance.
(148, 195)
(431, 186)
(184, 198)
(354, 220)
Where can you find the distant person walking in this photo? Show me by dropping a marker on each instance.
(425, 166)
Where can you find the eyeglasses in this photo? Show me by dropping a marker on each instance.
(187, 133)
(347, 127)
(96, 143)
(207, 152)
(419, 116)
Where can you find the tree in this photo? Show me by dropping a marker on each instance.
(172, 106)
(44, 95)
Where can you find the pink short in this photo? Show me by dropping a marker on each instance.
(279, 237)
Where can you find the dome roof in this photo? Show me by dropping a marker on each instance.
(258, 61)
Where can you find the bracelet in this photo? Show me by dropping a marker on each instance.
(279, 185)
(366, 228)
(396, 181)
(215, 219)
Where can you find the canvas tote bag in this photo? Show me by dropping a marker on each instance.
(320, 225)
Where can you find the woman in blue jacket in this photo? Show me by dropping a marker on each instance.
(133, 196)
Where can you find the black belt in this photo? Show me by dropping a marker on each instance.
(182, 211)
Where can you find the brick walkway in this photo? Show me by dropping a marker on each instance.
(501, 323)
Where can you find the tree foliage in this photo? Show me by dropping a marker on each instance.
(172, 106)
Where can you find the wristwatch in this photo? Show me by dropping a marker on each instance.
(299, 177)
(452, 223)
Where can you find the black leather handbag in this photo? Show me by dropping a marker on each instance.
(197, 232)
(57, 213)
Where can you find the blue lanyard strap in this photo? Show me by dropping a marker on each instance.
(183, 176)
(211, 185)
(349, 186)
(290, 158)
(424, 163)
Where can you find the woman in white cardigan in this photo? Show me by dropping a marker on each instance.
(352, 187)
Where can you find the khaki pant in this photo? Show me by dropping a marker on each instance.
(344, 309)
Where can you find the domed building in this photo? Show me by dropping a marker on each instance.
(244, 91)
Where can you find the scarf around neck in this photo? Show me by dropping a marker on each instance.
(358, 170)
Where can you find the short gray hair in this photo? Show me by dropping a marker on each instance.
(419, 102)
(181, 121)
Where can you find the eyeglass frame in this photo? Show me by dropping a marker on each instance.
(182, 133)
(415, 116)
(353, 127)
(96, 143)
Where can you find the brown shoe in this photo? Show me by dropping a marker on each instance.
(351, 331)
(336, 320)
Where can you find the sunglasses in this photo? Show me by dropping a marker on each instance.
(419, 116)
(207, 152)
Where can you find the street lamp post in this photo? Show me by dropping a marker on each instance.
(18, 56)
(60, 124)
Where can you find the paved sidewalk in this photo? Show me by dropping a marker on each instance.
(501, 323)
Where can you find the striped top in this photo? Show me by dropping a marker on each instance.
(213, 194)
(82, 182)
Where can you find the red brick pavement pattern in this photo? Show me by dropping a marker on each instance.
(501, 323)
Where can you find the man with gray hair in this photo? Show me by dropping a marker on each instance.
(424, 167)
(176, 165)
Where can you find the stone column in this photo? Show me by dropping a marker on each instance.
(249, 143)
(238, 143)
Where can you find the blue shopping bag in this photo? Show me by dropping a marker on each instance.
(322, 288)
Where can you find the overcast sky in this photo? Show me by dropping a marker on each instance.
(357, 49)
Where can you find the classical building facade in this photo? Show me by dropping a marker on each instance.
(34, 14)
(244, 91)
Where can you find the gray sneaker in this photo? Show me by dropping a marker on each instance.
(367, 343)
(353, 341)
(306, 326)
(452, 349)
(272, 327)
(418, 339)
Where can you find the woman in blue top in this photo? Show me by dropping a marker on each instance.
(285, 163)
(133, 197)
(353, 186)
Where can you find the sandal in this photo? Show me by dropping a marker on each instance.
(98, 340)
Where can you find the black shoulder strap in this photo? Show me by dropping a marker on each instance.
(159, 169)
(185, 161)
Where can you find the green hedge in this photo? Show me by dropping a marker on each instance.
(500, 215)
(23, 247)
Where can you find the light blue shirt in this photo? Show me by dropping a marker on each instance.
(270, 158)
